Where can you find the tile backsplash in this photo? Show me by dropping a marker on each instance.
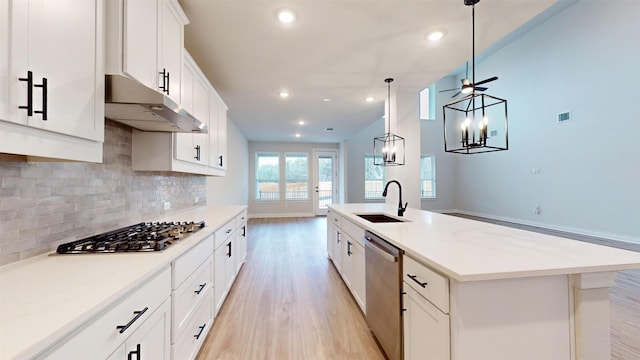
(43, 204)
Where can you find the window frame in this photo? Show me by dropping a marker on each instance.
(258, 180)
(286, 179)
(432, 179)
(372, 159)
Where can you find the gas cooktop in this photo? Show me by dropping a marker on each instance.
(142, 237)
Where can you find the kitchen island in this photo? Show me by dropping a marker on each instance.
(508, 293)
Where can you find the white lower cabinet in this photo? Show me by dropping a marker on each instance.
(426, 329)
(141, 316)
(187, 345)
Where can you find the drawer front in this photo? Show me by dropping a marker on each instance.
(188, 262)
(428, 283)
(190, 294)
(241, 219)
(186, 346)
(101, 337)
(353, 230)
(224, 232)
(335, 219)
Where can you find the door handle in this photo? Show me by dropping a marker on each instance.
(45, 90)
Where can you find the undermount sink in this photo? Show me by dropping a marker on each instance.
(380, 218)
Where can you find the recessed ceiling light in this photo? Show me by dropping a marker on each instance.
(326, 99)
(435, 35)
(284, 94)
(297, 135)
(301, 122)
(286, 16)
(369, 99)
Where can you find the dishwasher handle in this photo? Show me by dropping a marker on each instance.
(371, 244)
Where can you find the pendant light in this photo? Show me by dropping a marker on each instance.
(477, 122)
(388, 148)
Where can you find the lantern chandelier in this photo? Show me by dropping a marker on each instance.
(477, 122)
(388, 148)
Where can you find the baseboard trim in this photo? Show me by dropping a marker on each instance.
(279, 215)
(617, 237)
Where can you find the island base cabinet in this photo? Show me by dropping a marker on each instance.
(152, 340)
(524, 319)
(426, 329)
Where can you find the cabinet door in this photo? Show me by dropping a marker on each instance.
(347, 260)
(152, 340)
(170, 51)
(55, 40)
(426, 329)
(220, 282)
(213, 130)
(141, 41)
(4, 59)
(201, 112)
(222, 137)
(358, 282)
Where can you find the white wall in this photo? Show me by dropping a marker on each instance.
(432, 143)
(584, 60)
(232, 189)
(357, 147)
(281, 208)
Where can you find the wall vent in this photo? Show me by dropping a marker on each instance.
(328, 129)
(564, 116)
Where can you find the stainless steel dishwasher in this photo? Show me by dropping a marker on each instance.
(383, 264)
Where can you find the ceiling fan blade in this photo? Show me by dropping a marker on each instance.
(486, 80)
(456, 94)
(480, 88)
(458, 89)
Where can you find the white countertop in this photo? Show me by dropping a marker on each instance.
(44, 298)
(468, 250)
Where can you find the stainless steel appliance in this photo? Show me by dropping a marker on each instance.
(383, 263)
(145, 236)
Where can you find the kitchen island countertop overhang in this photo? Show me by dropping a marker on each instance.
(469, 250)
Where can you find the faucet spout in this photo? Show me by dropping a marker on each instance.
(401, 209)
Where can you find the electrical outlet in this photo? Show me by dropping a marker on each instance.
(536, 210)
(535, 171)
(167, 205)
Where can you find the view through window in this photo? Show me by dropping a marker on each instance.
(373, 178)
(267, 176)
(427, 176)
(297, 176)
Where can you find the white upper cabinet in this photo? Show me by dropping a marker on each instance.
(52, 80)
(195, 99)
(145, 39)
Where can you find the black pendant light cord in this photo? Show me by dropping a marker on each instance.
(388, 81)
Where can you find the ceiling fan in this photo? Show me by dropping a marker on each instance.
(468, 87)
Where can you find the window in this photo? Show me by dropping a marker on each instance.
(267, 176)
(427, 176)
(296, 176)
(373, 178)
(427, 100)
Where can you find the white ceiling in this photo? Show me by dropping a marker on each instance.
(337, 49)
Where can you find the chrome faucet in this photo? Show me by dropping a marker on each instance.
(400, 208)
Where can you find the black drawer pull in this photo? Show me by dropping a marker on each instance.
(349, 248)
(29, 80)
(135, 352)
(137, 314)
(220, 157)
(197, 157)
(199, 332)
(44, 87)
(414, 278)
(228, 231)
(229, 246)
(244, 231)
(202, 286)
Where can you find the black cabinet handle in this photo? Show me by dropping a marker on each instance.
(202, 286)
(220, 158)
(29, 106)
(244, 231)
(165, 81)
(228, 231)
(197, 336)
(414, 278)
(349, 248)
(338, 237)
(197, 152)
(137, 314)
(44, 87)
(229, 246)
(135, 352)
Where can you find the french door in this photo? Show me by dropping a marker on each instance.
(325, 163)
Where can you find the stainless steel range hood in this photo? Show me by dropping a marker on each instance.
(131, 103)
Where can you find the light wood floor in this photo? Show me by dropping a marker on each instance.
(288, 301)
